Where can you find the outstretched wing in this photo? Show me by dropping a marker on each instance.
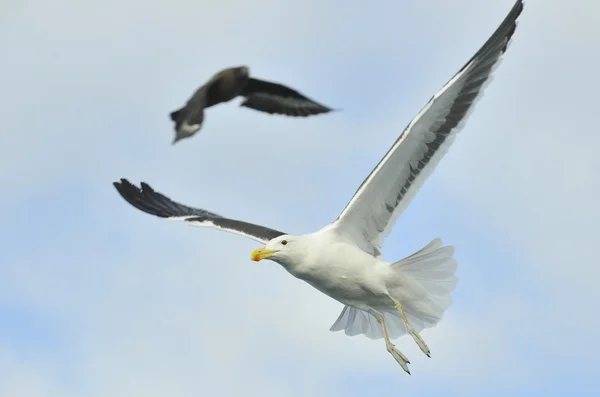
(387, 191)
(150, 201)
(275, 98)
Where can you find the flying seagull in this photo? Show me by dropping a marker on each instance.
(261, 95)
(343, 260)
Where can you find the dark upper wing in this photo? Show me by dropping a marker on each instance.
(150, 201)
(223, 87)
(192, 114)
(275, 98)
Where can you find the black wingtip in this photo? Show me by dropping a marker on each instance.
(310, 112)
(504, 32)
(123, 185)
(126, 189)
(119, 184)
(144, 198)
(326, 109)
(512, 17)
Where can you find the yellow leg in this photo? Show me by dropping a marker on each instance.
(398, 356)
(422, 345)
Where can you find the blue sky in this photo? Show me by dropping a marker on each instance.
(97, 298)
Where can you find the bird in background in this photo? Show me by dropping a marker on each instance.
(261, 95)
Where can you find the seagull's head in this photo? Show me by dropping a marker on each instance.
(282, 249)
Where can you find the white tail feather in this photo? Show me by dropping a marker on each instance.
(433, 268)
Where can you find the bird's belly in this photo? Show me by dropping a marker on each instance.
(347, 284)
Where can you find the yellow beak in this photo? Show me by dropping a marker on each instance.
(261, 253)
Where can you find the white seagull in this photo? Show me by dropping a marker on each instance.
(343, 259)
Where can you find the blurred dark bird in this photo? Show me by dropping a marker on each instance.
(259, 95)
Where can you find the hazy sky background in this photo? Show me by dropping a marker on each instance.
(98, 299)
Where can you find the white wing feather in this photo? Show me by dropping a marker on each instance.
(373, 210)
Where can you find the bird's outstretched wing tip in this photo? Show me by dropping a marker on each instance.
(119, 184)
(122, 182)
(127, 189)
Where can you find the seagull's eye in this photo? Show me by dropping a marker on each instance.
(283, 242)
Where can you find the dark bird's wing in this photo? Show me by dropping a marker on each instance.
(221, 87)
(188, 115)
(275, 98)
(188, 119)
(193, 111)
(150, 201)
